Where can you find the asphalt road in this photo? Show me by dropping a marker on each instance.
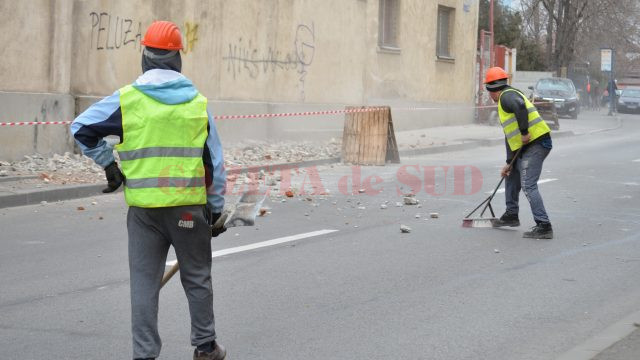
(365, 290)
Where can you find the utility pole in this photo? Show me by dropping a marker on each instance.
(491, 31)
(612, 84)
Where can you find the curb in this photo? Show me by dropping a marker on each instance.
(602, 341)
(50, 195)
(81, 191)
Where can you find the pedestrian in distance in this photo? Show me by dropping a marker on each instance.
(595, 94)
(171, 165)
(523, 128)
(613, 98)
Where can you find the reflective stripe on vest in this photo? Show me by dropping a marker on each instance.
(161, 152)
(537, 125)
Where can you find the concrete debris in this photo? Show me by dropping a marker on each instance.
(271, 181)
(43, 203)
(405, 229)
(497, 251)
(399, 204)
(383, 206)
(361, 208)
(71, 168)
(434, 215)
(94, 203)
(263, 153)
(362, 191)
(410, 200)
(56, 169)
(418, 216)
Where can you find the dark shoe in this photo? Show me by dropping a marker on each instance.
(540, 231)
(507, 220)
(218, 353)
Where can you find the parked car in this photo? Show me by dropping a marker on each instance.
(629, 100)
(561, 92)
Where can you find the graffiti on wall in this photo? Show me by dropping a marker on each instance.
(110, 32)
(245, 58)
(190, 37)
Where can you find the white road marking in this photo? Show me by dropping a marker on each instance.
(262, 244)
(542, 181)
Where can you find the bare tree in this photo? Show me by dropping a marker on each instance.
(574, 29)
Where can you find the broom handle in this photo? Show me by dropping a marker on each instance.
(488, 201)
(167, 276)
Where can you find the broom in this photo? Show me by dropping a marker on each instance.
(482, 222)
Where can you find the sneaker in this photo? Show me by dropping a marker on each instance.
(218, 353)
(506, 220)
(540, 231)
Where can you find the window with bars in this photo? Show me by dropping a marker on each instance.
(445, 30)
(388, 24)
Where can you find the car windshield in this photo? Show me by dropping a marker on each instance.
(555, 85)
(631, 92)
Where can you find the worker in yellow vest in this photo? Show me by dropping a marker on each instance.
(523, 128)
(174, 180)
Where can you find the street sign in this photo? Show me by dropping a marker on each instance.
(606, 59)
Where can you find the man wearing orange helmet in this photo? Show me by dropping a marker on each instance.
(172, 160)
(523, 128)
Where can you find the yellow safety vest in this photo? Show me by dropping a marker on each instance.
(161, 152)
(537, 125)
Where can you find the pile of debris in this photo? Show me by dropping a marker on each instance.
(57, 169)
(78, 169)
(265, 153)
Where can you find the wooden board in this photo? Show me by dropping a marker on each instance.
(368, 137)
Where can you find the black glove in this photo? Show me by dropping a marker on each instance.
(217, 227)
(114, 177)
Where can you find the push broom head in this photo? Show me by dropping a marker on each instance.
(478, 222)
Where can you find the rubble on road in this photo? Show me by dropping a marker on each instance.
(71, 168)
(405, 229)
(56, 169)
(410, 200)
(264, 153)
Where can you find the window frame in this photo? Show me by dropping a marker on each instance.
(389, 26)
(447, 53)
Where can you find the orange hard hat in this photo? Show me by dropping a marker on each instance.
(495, 74)
(163, 35)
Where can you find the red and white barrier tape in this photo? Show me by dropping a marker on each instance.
(258, 116)
(35, 123)
(221, 117)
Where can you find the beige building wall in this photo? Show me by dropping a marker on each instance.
(248, 57)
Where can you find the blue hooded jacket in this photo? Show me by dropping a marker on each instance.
(104, 118)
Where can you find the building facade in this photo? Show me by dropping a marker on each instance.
(247, 57)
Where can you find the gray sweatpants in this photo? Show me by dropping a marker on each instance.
(151, 232)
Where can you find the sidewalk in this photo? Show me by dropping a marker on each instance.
(625, 349)
(37, 188)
